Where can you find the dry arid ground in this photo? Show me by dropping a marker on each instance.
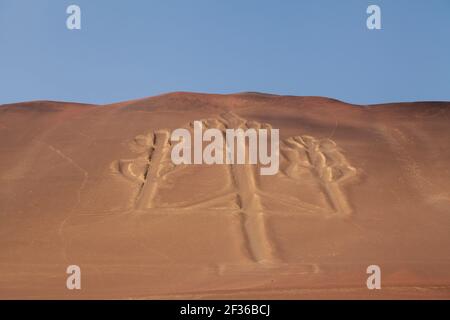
(94, 186)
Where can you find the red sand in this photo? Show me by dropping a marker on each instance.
(74, 191)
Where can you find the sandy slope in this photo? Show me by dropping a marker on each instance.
(94, 186)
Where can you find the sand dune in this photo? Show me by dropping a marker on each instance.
(95, 186)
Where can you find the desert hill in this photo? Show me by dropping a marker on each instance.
(92, 185)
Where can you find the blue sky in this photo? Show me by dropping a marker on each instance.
(130, 49)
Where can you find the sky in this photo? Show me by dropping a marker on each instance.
(128, 49)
